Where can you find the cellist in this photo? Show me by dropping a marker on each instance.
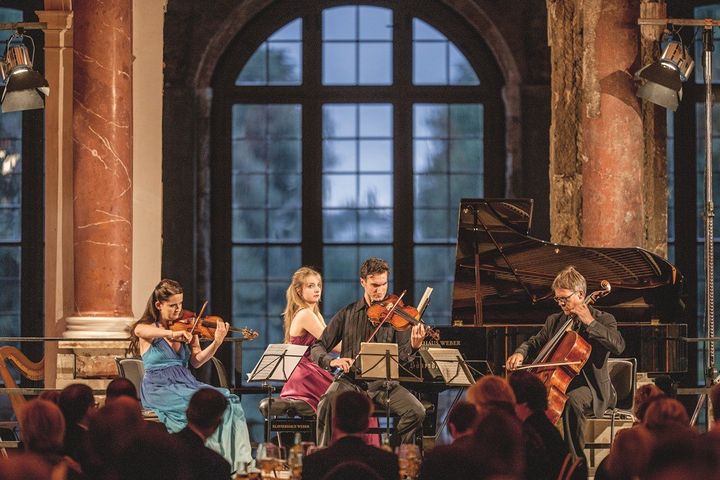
(591, 390)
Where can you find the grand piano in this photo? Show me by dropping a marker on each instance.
(502, 293)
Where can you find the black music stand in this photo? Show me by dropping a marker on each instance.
(277, 363)
(379, 361)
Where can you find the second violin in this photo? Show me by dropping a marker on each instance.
(400, 316)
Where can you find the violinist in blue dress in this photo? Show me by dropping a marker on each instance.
(168, 383)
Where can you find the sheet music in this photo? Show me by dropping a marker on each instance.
(274, 366)
(450, 368)
(422, 304)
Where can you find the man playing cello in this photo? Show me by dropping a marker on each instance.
(591, 390)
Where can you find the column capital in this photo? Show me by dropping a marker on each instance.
(58, 33)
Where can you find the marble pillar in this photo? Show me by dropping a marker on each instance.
(102, 175)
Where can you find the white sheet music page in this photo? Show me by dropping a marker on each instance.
(272, 364)
(446, 360)
(422, 304)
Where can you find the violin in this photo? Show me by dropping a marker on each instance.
(401, 317)
(205, 326)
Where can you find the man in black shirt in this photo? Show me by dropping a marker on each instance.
(351, 326)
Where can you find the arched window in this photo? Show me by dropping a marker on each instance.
(347, 132)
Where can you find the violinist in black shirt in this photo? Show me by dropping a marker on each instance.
(351, 326)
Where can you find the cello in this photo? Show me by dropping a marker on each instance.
(562, 358)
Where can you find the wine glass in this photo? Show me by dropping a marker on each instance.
(268, 456)
(409, 460)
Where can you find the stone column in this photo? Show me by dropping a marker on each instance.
(612, 191)
(102, 175)
(58, 176)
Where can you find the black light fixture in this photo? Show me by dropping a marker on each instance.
(25, 88)
(662, 80)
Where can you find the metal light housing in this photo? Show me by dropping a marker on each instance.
(661, 81)
(25, 88)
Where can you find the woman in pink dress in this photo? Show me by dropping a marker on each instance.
(303, 325)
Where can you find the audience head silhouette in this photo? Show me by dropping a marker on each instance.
(205, 411)
(490, 393)
(462, 419)
(43, 426)
(352, 412)
(120, 387)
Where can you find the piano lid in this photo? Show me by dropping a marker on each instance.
(506, 274)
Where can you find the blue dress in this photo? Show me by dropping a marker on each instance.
(167, 388)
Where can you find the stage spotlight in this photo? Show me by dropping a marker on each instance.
(662, 80)
(25, 88)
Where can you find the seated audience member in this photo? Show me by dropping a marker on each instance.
(77, 403)
(495, 450)
(683, 455)
(665, 414)
(204, 413)
(119, 387)
(42, 427)
(110, 432)
(492, 393)
(351, 415)
(666, 384)
(545, 449)
(151, 455)
(629, 455)
(643, 396)
(461, 420)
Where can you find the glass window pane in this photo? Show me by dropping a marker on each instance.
(430, 156)
(249, 298)
(339, 23)
(284, 63)
(284, 190)
(375, 63)
(339, 155)
(284, 225)
(285, 156)
(465, 186)
(466, 156)
(249, 263)
(340, 263)
(431, 191)
(466, 120)
(340, 226)
(249, 191)
(376, 121)
(249, 121)
(376, 191)
(338, 294)
(291, 31)
(339, 191)
(461, 72)
(423, 31)
(284, 121)
(430, 120)
(339, 64)
(248, 225)
(375, 225)
(376, 156)
(375, 23)
(431, 225)
(255, 70)
(339, 121)
(430, 63)
(282, 262)
(249, 156)
(10, 186)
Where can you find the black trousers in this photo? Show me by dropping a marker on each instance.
(579, 401)
(403, 404)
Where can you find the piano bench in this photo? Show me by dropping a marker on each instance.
(287, 415)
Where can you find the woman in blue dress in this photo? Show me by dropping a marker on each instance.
(168, 384)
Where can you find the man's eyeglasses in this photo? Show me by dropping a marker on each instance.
(563, 300)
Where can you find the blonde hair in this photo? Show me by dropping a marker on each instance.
(295, 302)
(570, 279)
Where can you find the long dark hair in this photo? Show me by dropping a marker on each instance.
(161, 293)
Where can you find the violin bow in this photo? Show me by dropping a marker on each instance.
(198, 317)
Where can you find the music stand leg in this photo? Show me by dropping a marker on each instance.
(387, 394)
(268, 424)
